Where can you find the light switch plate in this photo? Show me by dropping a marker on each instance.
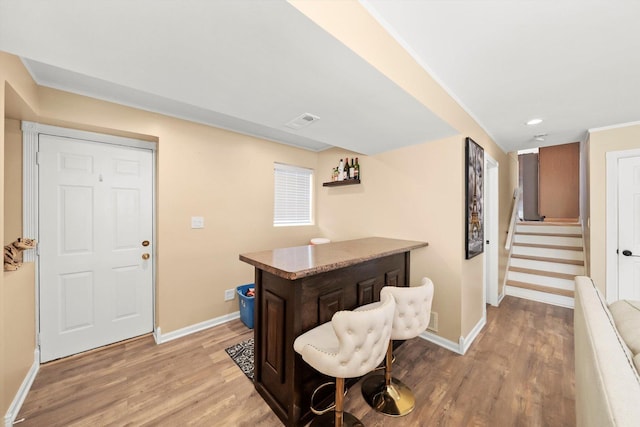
(197, 222)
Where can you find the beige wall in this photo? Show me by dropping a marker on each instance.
(585, 197)
(13, 181)
(411, 193)
(201, 171)
(20, 322)
(600, 143)
(349, 22)
(19, 291)
(414, 193)
(18, 99)
(6, 393)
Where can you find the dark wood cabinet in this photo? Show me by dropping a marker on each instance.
(288, 308)
(302, 289)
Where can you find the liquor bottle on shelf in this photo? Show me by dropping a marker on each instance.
(356, 170)
(346, 168)
(352, 170)
(340, 170)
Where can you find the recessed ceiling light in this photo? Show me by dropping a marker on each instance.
(534, 122)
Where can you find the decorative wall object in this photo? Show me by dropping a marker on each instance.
(13, 253)
(474, 199)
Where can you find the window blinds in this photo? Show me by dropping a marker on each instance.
(293, 192)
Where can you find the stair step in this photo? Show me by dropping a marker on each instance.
(558, 275)
(550, 234)
(536, 245)
(561, 220)
(547, 228)
(537, 251)
(550, 264)
(548, 240)
(547, 259)
(540, 288)
(544, 261)
(550, 223)
(542, 280)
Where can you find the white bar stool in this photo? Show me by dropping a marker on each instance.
(384, 393)
(349, 346)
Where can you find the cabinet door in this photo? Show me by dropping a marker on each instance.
(367, 292)
(392, 278)
(329, 304)
(273, 336)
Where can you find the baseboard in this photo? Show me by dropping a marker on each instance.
(501, 296)
(161, 339)
(465, 342)
(21, 395)
(442, 342)
(552, 299)
(462, 345)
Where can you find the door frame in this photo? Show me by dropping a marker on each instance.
(491, 220)
(31, 132)
(611, 237)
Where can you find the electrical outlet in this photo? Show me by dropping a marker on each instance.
(229, 294)
(197, 222)
(433, 322)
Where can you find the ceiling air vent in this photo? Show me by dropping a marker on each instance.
(301, 121)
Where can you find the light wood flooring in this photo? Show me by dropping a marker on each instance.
(518, 372)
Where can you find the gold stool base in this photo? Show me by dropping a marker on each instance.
(396, 399)
(329, 418)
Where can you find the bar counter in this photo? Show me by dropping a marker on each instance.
(301, 287)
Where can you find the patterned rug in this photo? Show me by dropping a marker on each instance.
(242, 354)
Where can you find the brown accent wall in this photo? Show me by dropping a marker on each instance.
(529, 180)
(559, 181)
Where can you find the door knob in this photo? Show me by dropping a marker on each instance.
(145, 256)
(627, 252)
(145, 243)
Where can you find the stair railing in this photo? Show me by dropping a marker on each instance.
(514, 217)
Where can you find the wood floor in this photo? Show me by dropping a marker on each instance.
(518, 372)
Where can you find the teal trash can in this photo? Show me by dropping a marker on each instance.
(246, 304)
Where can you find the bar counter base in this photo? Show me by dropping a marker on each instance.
(284, 309)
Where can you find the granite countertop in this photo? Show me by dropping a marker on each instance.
(302, 261)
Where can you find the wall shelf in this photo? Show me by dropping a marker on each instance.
(340, 183)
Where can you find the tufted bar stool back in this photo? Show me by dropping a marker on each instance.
(412, 312)
(351, 345)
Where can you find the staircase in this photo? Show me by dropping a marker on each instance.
(544, 260)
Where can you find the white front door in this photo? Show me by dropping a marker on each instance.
(95, 229)
(629, 228)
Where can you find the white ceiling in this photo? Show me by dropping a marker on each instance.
(253, 66)
(573, 63)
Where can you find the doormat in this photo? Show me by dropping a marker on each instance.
(242, 354)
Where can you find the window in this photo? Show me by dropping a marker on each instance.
(293, 192)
